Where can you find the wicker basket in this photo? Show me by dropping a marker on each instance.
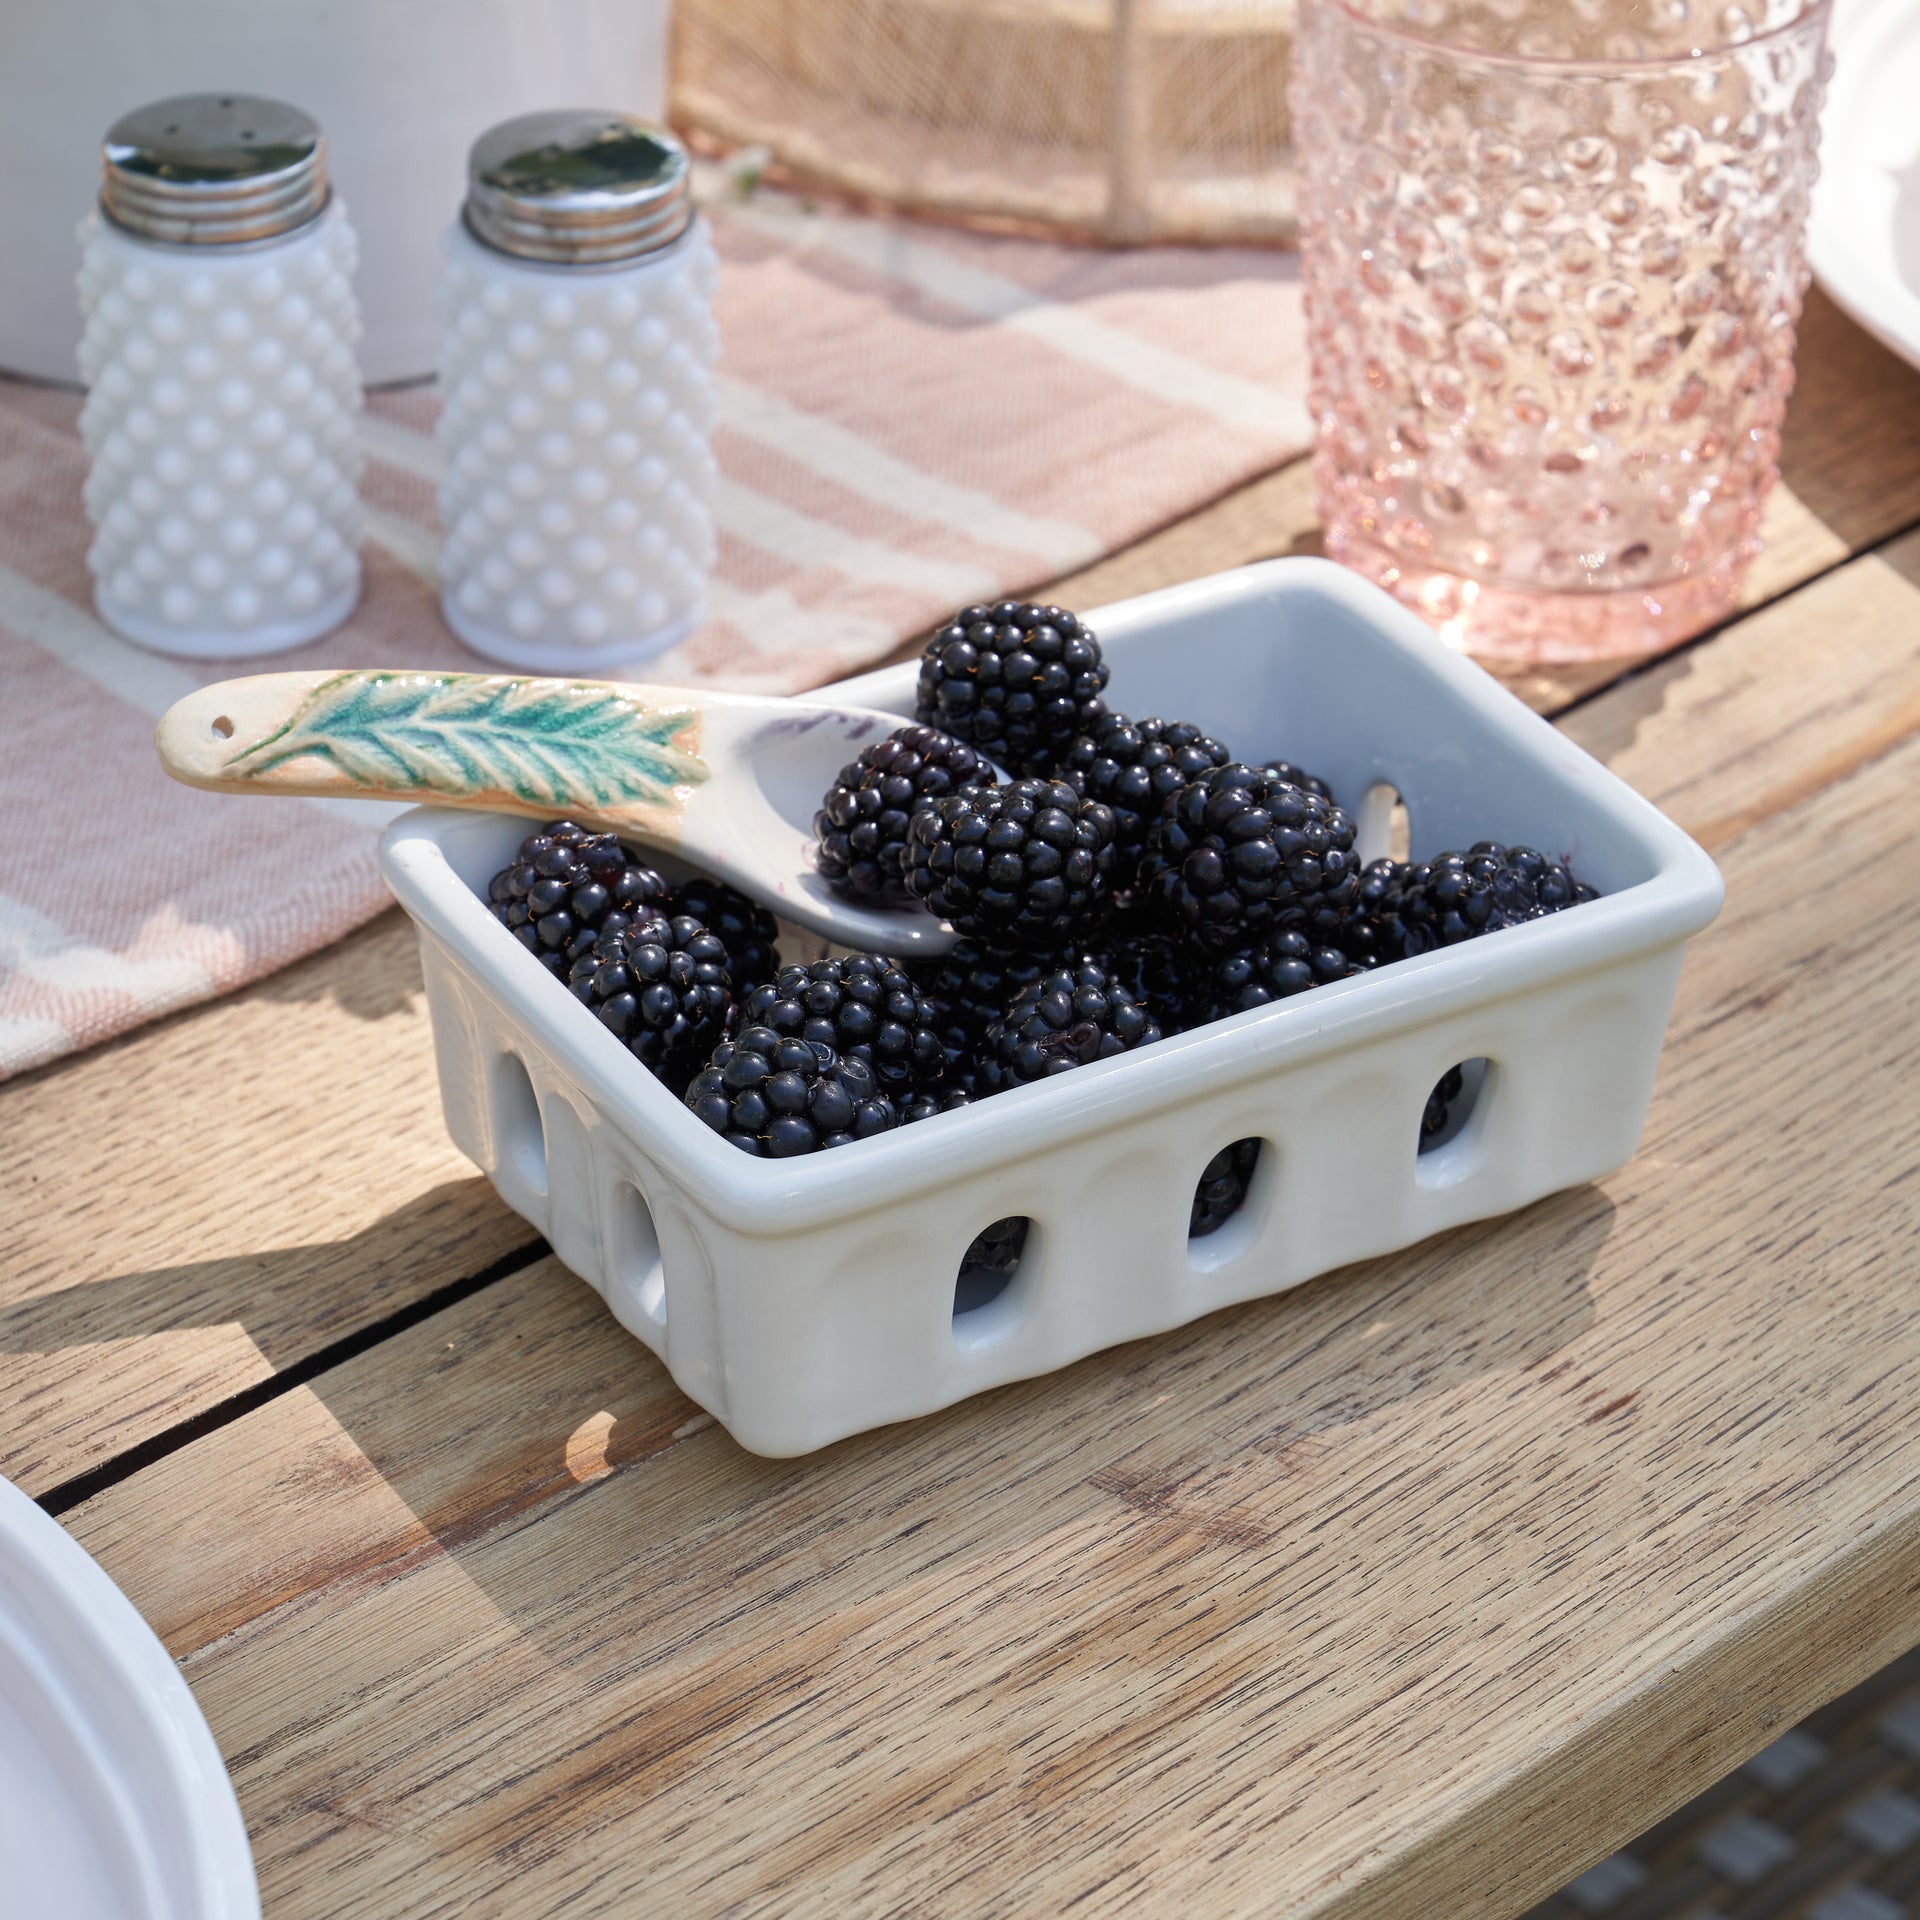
(1112, 120)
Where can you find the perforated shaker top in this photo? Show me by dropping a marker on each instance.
(578, 188)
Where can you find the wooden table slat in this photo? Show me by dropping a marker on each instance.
(221, 1197)
(1335, 1604)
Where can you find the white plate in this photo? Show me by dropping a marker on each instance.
(1863, 235)
(114, 1802)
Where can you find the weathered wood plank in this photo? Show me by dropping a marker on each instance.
(1794, 698)
(219, 1196)
(1850, 464)
(1406, 1594)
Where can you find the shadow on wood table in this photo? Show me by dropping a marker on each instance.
(553, 1397)
(433, 1512)
(215, 1293)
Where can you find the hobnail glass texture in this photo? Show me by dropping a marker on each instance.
(578, 498)
(222, 423)
(1553, 271)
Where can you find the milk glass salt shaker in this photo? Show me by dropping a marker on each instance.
(577, 367)
(216, 281)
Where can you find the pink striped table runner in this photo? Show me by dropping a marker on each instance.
(911, 418)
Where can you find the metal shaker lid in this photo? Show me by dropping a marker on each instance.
(578, 188)
(213, 169)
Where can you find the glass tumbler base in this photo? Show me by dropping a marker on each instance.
(1513, 623)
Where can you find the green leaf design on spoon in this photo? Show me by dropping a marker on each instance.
(548, 743)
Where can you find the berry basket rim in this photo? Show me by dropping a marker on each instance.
(772, 1198)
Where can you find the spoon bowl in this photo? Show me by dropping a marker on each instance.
(727, 781)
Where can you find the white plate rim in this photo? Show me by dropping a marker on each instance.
(1862, 281)
(44, 1564)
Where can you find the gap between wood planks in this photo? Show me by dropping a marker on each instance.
(83, 1486)
(1897, 726)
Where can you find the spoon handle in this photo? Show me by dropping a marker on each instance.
(621, 757)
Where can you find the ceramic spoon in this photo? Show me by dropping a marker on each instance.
(728, 780)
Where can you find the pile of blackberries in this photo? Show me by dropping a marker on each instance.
(1129, 879)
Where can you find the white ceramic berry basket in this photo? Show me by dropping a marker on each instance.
(802, 1300)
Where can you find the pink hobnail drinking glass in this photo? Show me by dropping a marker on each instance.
(1553, 270)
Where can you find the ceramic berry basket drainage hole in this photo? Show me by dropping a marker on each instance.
(803, 1300)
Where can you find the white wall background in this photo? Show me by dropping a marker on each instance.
(402, 87)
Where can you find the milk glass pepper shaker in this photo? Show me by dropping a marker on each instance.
(577, 365)
(216, 281)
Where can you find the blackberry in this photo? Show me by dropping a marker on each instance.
(866, 1008)
(1239, 853)
(1222, 1188)
(970, 988)
(1297, 777)
(1135, 767)
(662, 987)
(1282, 965)
(1433, 1119)
(1015, 680)
(744, 927)
(566, 887)
(1022, 865)
(987, 1266)
(1162, 973)
(861, 827)
(1408, 909)
(1364, 936)
(778, 1096)
(923, 1106)
(1069, 1019)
